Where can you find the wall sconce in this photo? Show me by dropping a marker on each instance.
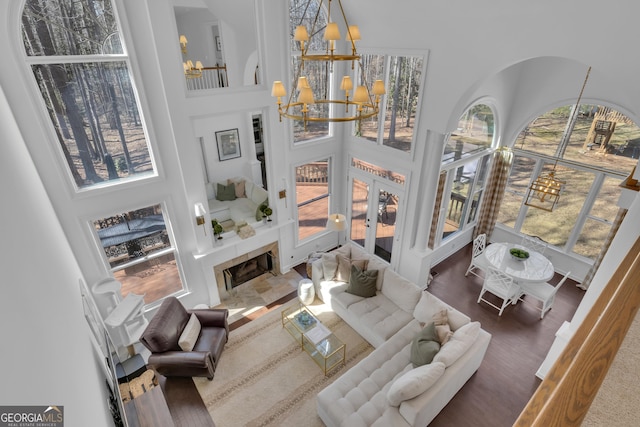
(183, 43)
(199, 208)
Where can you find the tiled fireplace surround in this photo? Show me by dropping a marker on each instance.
(219, 269)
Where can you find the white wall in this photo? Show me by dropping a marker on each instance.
(47, 356)
(475, 49)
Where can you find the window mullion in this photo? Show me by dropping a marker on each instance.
(586, 208)
(522, 214)
(74, 59)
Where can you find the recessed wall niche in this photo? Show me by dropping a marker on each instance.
(223, 40)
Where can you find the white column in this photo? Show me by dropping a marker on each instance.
(429, 186)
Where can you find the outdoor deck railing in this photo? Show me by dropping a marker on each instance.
(313, 173)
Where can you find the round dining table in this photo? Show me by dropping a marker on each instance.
(536, 268)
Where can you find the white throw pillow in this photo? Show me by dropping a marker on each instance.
(400, 291)
(428, 305)
(414, 383)
(329, 266)
(458, 344)
(190, 334)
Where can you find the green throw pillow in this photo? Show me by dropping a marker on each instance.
(424, 346)
(226, 192)
(362, 283)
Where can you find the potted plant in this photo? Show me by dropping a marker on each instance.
(217, 228)
(263, 209)
(268, 212)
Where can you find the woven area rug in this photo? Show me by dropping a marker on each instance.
(265, 379)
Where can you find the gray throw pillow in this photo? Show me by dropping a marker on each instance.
(362, 282)
(226, 192)
(424, 346)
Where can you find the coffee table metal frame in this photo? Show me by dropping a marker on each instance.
(327, 353)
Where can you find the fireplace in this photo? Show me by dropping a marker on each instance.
(247, 270)
(240, 269)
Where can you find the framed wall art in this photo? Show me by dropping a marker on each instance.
(228, 144)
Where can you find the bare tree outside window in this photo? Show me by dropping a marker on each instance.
(402, 76)
(303, 12)
(90, 98)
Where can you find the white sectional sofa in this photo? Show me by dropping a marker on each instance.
(385, 389)
(242, 207)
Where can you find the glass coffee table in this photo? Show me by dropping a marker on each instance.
(314, 338)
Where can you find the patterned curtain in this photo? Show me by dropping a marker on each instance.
(612, 233)
(436, 209)
(494, 192)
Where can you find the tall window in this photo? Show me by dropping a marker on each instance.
(302, 12)
(312, 197)
(75, 52)
(402, 76)
(465, 162)
(137, 246)
(601, 149)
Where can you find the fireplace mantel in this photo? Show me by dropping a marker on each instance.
(234, 247)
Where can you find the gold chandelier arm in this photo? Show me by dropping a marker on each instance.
(330, 57)
(365, 111)
(365, 100)
(574, 113)
(353, 43)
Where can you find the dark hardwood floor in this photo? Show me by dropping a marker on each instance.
(496, 394)
(501, 388)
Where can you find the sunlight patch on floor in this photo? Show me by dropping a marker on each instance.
(258, 293)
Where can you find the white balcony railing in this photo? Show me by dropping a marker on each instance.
(212, 77)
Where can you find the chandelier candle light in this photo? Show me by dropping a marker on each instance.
(191, 70)
(365, 102)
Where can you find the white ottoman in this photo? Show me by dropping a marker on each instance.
(306, 293)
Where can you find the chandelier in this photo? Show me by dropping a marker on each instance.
(544, 191)
(364, 103)
(191, 70)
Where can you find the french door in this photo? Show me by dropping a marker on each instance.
(375, 206)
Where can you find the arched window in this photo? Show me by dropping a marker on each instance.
(81, 67)
(463, 174)
(592, 156)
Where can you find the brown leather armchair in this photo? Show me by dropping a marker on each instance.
(163, 332)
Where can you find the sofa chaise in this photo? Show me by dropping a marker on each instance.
(384, 389)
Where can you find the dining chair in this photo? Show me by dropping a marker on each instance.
(543, 292)
(478, 258)
(501, 285)
(534, 243)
